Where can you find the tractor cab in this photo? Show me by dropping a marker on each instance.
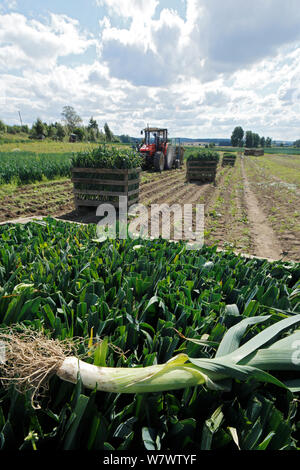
(157, 151)
(154, 149)
(155, 140)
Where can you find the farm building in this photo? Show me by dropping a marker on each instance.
(196, 144)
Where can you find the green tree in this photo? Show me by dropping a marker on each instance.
(51, 129)
(237, 137)
(2, 126)
(297, 143)
(256, 140)
(79, 131)
(60, 131)
(38, 128)
(93, 124)
(262, 142)
(13, 129)
(249, 139)
(92, 135)
(46, 129)
(25, 129)
(268, 142)
(71, 118)
(108, 134)
(100, 135)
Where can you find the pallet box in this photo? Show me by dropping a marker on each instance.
(93, 186)
(202, 168)
(228, 159)
(254, 152)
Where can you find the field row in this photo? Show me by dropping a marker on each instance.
(240, 211)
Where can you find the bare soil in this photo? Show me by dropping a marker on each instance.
(281, 206)
(239, 207)
(266, 243)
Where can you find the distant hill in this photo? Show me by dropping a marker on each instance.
(220, 141)
(284, 142)
(215, 140)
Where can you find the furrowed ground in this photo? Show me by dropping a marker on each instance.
(254, 207)
(276, 182)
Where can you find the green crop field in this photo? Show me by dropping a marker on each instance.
(142, 303)
(50, 146)
(28, 167)
(37, 161)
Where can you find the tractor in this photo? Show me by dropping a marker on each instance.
(158, 152)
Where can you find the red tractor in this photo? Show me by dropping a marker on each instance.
(158, 151)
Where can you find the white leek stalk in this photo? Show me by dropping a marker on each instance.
(174, 374)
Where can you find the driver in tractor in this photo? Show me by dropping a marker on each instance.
(158, 151)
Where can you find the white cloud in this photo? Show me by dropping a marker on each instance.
(24, 41)
(222, 64)
(136, 9)
(214, 38)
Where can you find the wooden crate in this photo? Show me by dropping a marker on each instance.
(254, 152)
(228, 160)
(101, 182)
(201, 170)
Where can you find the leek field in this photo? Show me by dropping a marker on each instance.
(28, 167)
(53, 161)
(140, 303)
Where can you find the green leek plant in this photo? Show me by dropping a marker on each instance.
(204, 155)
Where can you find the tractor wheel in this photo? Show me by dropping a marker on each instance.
(169, 158)
(159, 161)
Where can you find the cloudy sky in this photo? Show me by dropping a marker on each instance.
(198, 67)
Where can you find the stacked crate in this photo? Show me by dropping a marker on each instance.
(202, 167)
(95, 186)
(228, 159)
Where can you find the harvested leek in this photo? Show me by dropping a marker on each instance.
(31, 359)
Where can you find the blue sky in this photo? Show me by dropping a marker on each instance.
(86, 12)
(198, 67)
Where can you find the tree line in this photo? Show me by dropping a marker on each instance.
(72, 125)
(249, 139)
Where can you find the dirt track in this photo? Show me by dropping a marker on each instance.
(265, 240)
